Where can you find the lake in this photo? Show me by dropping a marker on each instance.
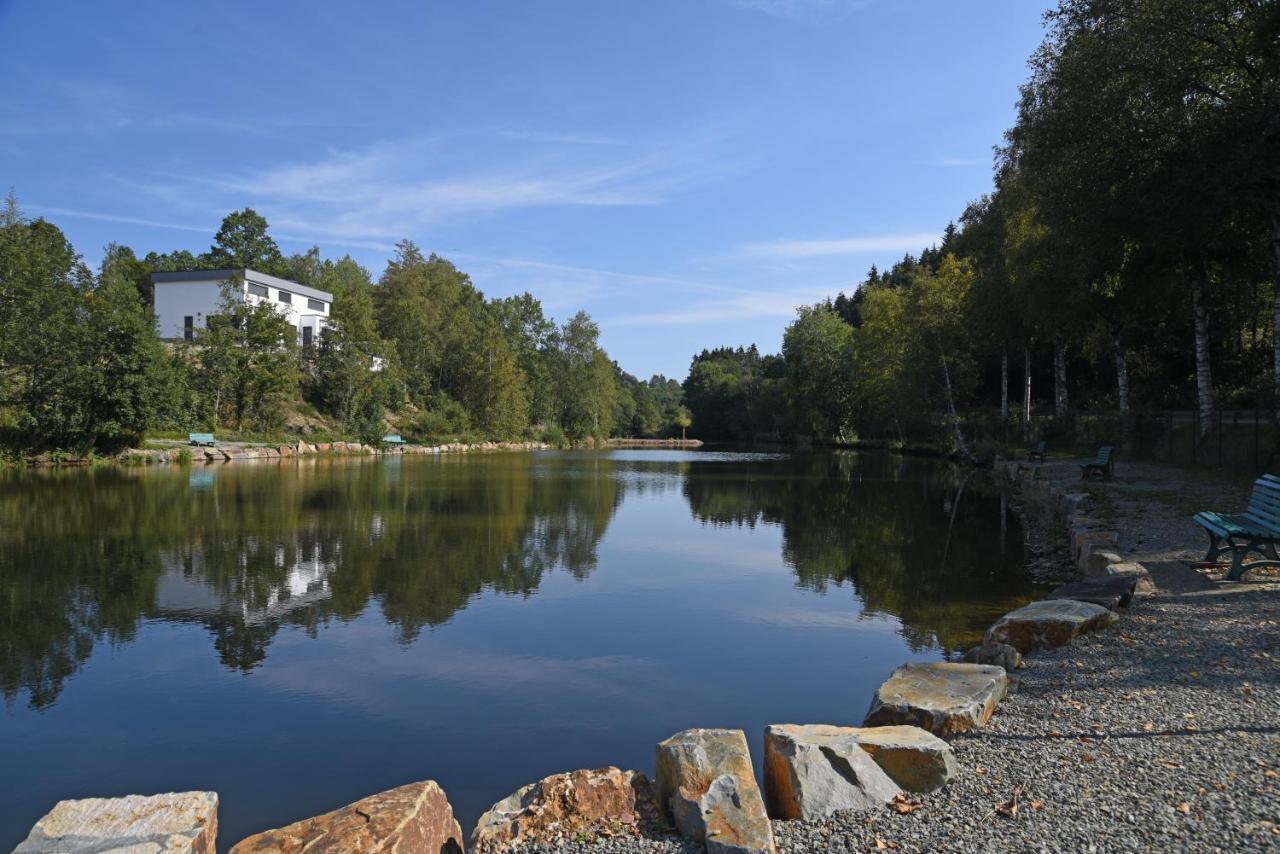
(296, 635)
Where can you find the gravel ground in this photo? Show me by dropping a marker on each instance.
(1162, 732)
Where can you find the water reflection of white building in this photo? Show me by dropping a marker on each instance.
(188, 589)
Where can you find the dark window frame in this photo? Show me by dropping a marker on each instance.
(188, 327)
(285, 297)
(259, 290)
(315, 304)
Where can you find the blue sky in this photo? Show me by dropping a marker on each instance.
(688, 171)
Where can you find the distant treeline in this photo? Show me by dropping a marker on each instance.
(82, 366)
(1128, 257)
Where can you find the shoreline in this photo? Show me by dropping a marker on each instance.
(176, 452)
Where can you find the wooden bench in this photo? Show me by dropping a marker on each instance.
(201, 439)
(1100, 467)
(1036, 454)
(1257, 529)
(393, 439)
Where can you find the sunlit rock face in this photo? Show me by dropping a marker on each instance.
(944, 698)
(706, 782)
(171, 823)
(812, 771)
(603, 802)
(1050, 623)
(415, 817)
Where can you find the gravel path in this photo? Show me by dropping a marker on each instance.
(1162, 732)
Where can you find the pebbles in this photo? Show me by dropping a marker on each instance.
(1113, 744)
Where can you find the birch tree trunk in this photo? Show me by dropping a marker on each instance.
(1004, 383)
(1122, 373)
(1122, 388)
(1026, 394)
(1060, 403)
(961, 445)
(1204, 375)
(1275, 311)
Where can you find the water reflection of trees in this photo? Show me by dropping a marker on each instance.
(927, 543)
(245, 549)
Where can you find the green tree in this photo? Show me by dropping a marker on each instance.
(242, 241)
(248, 363)
(819, 354)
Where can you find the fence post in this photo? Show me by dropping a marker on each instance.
(1219, 438)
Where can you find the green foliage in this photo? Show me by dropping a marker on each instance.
(248, 364)
(819, 354)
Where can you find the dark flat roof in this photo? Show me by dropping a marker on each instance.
(249, 276)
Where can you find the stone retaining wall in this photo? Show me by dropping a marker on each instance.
(160, 456)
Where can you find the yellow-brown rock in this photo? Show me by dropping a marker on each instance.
(1048, 623)
(706, 783)
(602, 802)
(942, 697)
(412, 818)
(171, 823)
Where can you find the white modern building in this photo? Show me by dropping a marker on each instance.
(185, 300)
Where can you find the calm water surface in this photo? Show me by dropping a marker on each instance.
(298, 635)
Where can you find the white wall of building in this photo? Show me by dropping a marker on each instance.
(197, 298)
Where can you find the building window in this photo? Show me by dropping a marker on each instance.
(258, 290)
(307, 333)
(285, 297)
(315, 305)
(189, 328)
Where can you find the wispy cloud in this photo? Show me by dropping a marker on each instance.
(559, 138)
(392, 189)
(729, 309)
(801, 8)
(858, 245)
(120, 218)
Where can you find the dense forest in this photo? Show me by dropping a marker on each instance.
(82, 366)
(1128, 258)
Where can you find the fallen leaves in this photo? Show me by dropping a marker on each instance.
(1184, 808)
(904, 805)
(881, 845)
(1009, 808)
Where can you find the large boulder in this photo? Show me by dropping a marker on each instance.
(1049, 623)
(1094, 560)
(999, 654)
(1109, 591)
(942, 697)
(414, 817)
(707, 786)
(597, 803)
(915, 759)
(814, 770)
(177, 822)
(1142, 582)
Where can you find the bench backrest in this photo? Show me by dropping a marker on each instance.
(200, 437)
(393, 439)
(1264, 501)
(1104, 456)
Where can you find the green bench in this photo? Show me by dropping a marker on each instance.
(1036, 454)
(201, 439)
(1257, 529)
(393, 440)
(1100, 467)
